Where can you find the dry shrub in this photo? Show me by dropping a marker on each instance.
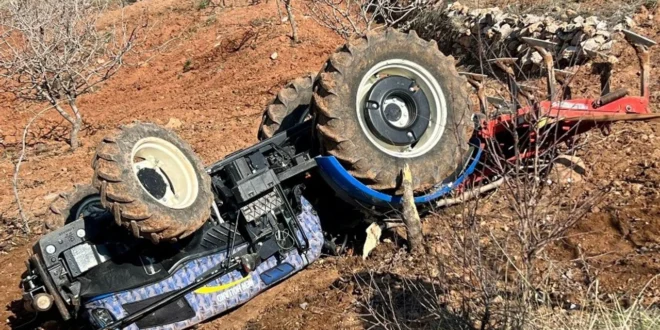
(349, 18)
(54, 51)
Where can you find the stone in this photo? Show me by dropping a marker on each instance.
(551, 28)
(606, 46)
(578, 20)
(456, 6)
(592, 20)
(173, 123)
(531, 19)
(51, 197)
(571, 12)
(568, 169)
(536, 58)
(590, 44)
(535, 27)
(589, 30)
(630, 22)
(572, 27)
(274, 56)
(505, 30)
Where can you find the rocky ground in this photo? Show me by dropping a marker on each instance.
(208, 74)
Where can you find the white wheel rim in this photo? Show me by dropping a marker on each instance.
(173, 167)
(431, 88)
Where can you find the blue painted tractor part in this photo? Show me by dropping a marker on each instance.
(350, 189)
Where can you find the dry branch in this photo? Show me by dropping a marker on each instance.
(355, 17)
(17, 168)
(410, 214)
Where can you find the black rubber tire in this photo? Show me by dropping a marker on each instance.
(289, 108)
(337, 123)
(131, 205)
(64, 208)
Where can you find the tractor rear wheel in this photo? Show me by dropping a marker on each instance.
(391, 98)
(289, 108)
(153, 182)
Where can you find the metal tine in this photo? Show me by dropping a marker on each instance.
(565, 77)
(638, 39)
(605, 66)
(545, 48)
(477, 81)
(641, 45)
(506, 64)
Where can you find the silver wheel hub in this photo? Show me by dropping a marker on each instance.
(396, 112)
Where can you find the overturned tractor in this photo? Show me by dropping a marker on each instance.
(161, 242)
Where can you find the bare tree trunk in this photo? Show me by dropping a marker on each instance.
(75, 120)
(410, 215)
(73, 136)
(294, 27)
(76, 125)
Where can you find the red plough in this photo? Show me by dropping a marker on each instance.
(568, 116)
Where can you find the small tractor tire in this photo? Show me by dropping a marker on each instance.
(153, 182)
(290, 107)
(71, 205)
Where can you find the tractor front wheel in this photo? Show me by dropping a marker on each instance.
(153, 182)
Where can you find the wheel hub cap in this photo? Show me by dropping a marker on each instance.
(397, 111)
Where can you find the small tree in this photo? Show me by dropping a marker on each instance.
(57, 50)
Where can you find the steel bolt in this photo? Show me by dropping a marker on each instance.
(50, 249)
(80, 233)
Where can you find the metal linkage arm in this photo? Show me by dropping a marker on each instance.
(546, 48)
(642, 45)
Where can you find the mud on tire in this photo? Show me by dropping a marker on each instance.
(289, 108)
(343, 135)
(152, 182)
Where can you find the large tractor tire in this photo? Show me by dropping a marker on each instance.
(290, 107)
(153, 182)
(84, 200)
(391, 98)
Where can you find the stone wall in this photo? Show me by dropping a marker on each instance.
(471, 34)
